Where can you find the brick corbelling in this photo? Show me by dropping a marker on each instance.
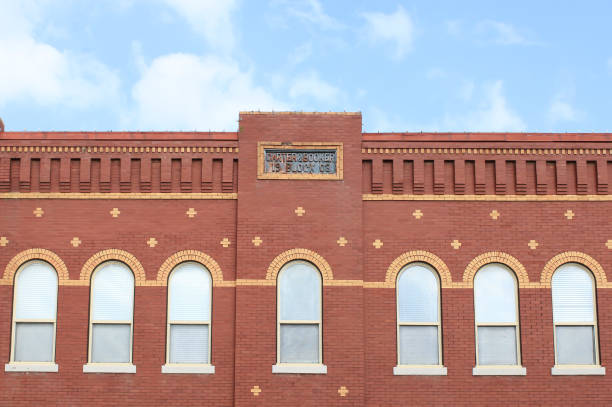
(573, 257)
(35, 254)
(299, 254)
(496, 257)
(190, 255)
(113, 254)
(418, 256)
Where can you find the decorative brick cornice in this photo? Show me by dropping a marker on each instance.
(190, 255)
(418, 256)
(573, 257)
(35, 254)
(300, 254)
(496, 257)
(112, 254)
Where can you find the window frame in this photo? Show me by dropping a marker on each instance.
(169, 322)
(594, 324)
(92, 322)
(398, 324)
(516, 324)
(15, 320)
(307, 367)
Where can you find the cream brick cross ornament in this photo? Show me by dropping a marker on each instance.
(38, 212)
(569, 214)
(456, 244)
(152, 242)
(343, 391)
(342, 241)
(533, 244)
(494, 214)
(257, 241)
(255, 390)
(417, 214)
(300, 211)
(191, 212)
(75, 241)
(377, 244)
(225, 242)
(608, 244)
(3, 241)
(115, 212)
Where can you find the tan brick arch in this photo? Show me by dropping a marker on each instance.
(573, 257)
(496, 257)
(35, 254)
(190, 255)
(299, 254)
(416, 256)
(113, 254)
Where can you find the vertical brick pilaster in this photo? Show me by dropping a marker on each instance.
(64, 174)
(25, 165)
(541, 181)
(207, 174)
(85, 175)
(397, 185)
(581, 177)
(418, 177)
(105, 174)
(521, 177)
(377, 175)
(561, 167)
(500, 177)
(227, 176)
(459, 176)
(125, 177)
(145, 174)
(480, 179)
(438, 186)
(44, 179)
(166, 174)
(186, 164)
(602, 176)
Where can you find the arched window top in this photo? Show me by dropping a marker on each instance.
(495, 294)
(36, 291)
(418, 293)
(299, 286)
(189, 287)
(573, 294)
(112, 292)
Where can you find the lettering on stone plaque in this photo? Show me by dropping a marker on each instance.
(300, 161)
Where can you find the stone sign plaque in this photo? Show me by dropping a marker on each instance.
(300, 161)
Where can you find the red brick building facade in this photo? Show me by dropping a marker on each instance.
(456, 202)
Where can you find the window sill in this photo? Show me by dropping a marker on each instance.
(299, 368)
(594, 370)
(187, 368)
(499, 371)
(31, 367)
(419, 370)
(109, 368)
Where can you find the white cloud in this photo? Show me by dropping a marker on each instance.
(209, 18)
(493, 114)
(187, 92)
(300, 54)
(561, 111)
(502, 33)
(43, 74)
(396, 27)
(312, 12)
(311, 86)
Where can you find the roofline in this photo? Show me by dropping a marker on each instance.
(121, 135)
(479, 137)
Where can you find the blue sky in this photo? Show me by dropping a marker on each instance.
(408, 66)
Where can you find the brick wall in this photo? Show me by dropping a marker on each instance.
(445, 199)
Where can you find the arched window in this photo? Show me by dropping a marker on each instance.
(418, 316)
(497, 320)
(299, 314)
(189, 306)
(34, 313)
(111, 314)
(574, 316)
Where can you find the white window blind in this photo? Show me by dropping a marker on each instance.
(495, 294)
(34, 318)
(496, 316)
(417, 294)
(299, 313)
(113, 292)
(112, 311)
(189, 312)
(574, 316)
(36, 291)
(572, 294)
